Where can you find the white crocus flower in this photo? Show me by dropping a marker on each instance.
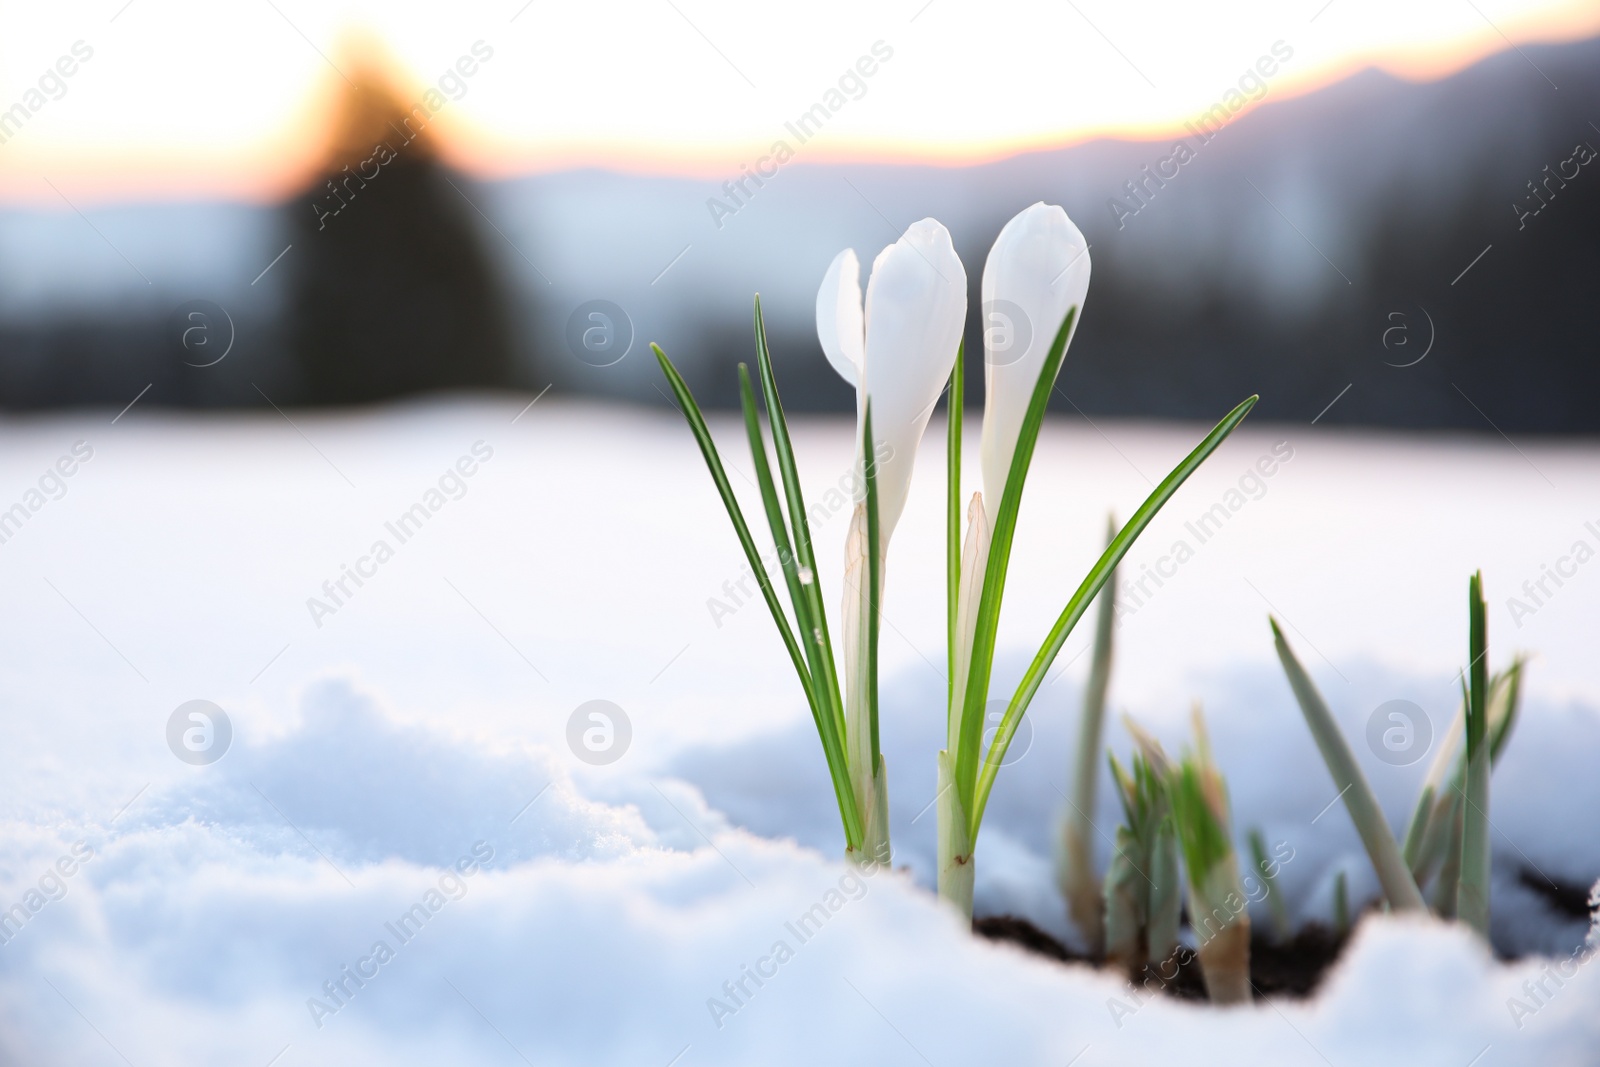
(898, 351)
(1037, 270)
(901, 345)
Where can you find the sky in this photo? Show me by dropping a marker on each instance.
(183, 98)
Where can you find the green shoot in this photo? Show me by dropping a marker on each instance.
(1217, 909)
(1505, 701)
(1431, 829)
(1399, 888)
(1417, 832)
(769, 498)
(1423, 835)
(1143, 897)
(1281, 930)
(1472, 892)
(1446, 888)
(1085, 900)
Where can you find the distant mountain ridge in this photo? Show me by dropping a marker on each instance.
(1311, 245)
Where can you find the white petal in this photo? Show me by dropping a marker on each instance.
(916, 306)
(839, 319)
(1037, 270)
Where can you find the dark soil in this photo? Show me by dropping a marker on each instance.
(1291, 969)
(1565, 899)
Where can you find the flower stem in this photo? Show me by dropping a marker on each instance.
(955, 842)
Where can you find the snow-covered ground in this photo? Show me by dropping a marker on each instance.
(404, 741)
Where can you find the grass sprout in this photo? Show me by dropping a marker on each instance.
(1266, 870)
(1472, 889)
(1399, 888)
(1341, 905)
(1143, 897)
(1085, 897)
(1433, 831)
(1218, 912)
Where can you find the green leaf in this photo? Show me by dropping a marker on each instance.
(826, 680)
(1423, 833)
(1448, 882)
(1436, 841)
(769, 499)
(833, 741)
(1424, 838)
(1417, 830)
(1091, 720)
(1275, 902)
(1127, 788)
(1398, 886)
(994, 576)
(1077, 865)
(832, 746)
(1505, 701)
(1472, 892)
(1092, 583)
(1201, 832)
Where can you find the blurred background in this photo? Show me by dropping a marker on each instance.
(1369, 215)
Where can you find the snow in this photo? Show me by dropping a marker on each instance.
(426, 718)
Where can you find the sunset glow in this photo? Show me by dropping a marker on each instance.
(190, 99)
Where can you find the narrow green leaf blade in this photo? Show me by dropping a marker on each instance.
(1398, 886)
(1281, 928)
(780, 537)
(1503, 712)
(769, 498)
(1417, 829)
(1078, 879)
(1472, 893)
(1097, 577)
(833, 749)
(1091, 722)
(826, 681)
(994, 576)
